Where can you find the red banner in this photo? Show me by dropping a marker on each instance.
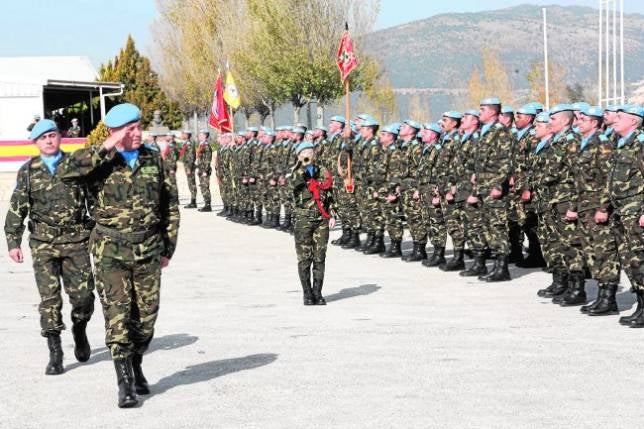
(219, 117)
(346, 58)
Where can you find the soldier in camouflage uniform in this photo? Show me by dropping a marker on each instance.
(170, 154)
(74, 131)
(256, 183)
(429, 197)
(321, 146)
(137, 224)
(311, 186)
(59, 227)
(610, 116)
(270, 176)
(204, 168)
(626, 191)
(238, 213)
(409, 182)
(245, 161)
(188, 156)
(452, 202)
(284, 154)
(371, 177)
(490, 190)
(591, 207)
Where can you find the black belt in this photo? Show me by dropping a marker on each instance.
(134, 237)
(36, 227)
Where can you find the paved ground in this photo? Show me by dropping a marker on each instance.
(398, 345)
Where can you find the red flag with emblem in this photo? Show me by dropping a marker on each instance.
(346, 58)
(219, 117)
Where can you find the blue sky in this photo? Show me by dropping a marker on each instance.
(98, 28)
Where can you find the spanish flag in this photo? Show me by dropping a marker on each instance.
(231, 95)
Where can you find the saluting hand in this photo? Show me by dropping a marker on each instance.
(115, 138)
(16, 254)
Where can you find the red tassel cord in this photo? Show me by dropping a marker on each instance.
(314, 187)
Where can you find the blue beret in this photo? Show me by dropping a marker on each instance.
(309, 132)
(204, 131)
(322, 128)
(241, 134)
(507, 109)
(633, 109)
(412, 123)
(562, 107)
(302, 146)
(338, 118)
(580, 105)
(187, 132)
(593, 111)
(252, 129)
(288, 128)
(369, 122)
(300, 125)
(536, 105)
(453, 114)
(298, 130)
(472, 112)
(490, 100)
(43, 126)
(364, 116)
(528, 109)
(614, 108)
(353, 126)
(122, 114)
(391, 128)
(269, 131)
(543, 117)
(279, 128)
(433, 126)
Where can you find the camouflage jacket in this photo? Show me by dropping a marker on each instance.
(171, 158)
(74, 131)
(445, 163)
(374, 169)
(189, 149)
(626, 180)
(592, 169)
(428, 169)
(493, 163)
(204, 158)
(139, 207)
(57, 211)
(304, 203)
(257, 159)
(414, 153)
(522, 152)
(463, 166)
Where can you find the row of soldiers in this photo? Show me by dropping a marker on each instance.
(570, 180)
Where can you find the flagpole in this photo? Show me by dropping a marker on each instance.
(346, 99)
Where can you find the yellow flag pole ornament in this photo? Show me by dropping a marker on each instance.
(231, 94)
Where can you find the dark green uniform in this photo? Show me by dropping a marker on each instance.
(59, 227)
(204, 168)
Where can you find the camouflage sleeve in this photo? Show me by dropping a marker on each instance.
(18, 210)
(605, 165)
(379, 167)
(502, 154)
(169, 206)
(82, 163)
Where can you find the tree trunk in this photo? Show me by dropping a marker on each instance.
(296, 113)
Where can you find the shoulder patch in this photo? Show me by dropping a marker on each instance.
(641, 138)
(149, 169)
(603, 138)
(475, 135)
(570, 136)
(498, 125)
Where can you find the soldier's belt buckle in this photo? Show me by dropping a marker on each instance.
(138, 236)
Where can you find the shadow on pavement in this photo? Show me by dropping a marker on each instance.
(208, 371)
(352, 291)
(166, 342)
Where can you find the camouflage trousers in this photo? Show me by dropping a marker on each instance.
(434, 220)
(286, 199)
(256, 195)
(494, 218)
(192, 181)
(630, 244)
(244, 196)
(311, 237)
(599, 248)
(549, 238)
(393, 218)
(474, 229)
(414, 215)
(374, 220)
(347, 206)
(204, 186)
(129, 292)
(71, 263)
(569, 244)
(272, 199)
(455, 223)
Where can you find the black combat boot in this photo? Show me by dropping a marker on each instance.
(206, 208)
(55, 365)
(478, 267)
(600, 293)
(558, 286)
(288, 223)
(223, 211)
(318, 299)
(257, 220)
(494, 268)
(626, 320)
(125, 379)
(394, 250)
(82, 350)
(346, 234)
(456, 263)
(305, 281)
(192, 205)
(557, 298)
(418, 253)
(605, 303)
(371, 237)
(516, 243)
(437, 258)
(250, 218)
(535, 256)
(500, 273)
(576, 294)
(378, 246)
(637, 318)
(140, 383)
(354, 241)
